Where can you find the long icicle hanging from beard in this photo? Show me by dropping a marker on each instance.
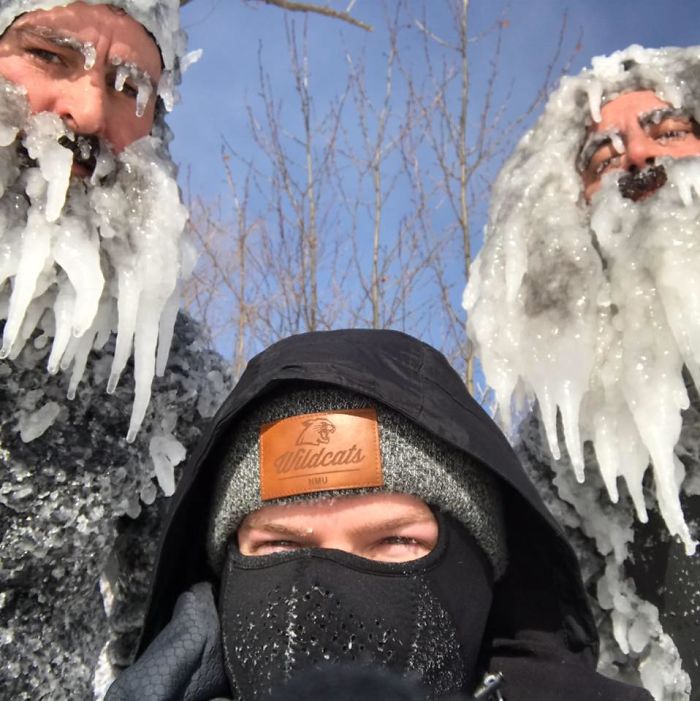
(81, 259)
(595, 311)
(604, 345)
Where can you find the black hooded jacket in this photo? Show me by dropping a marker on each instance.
(541, 634)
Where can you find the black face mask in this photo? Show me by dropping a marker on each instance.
(425, 619)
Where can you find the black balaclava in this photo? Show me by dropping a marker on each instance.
(287, 612)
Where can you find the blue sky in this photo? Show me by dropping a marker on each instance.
(217, 91)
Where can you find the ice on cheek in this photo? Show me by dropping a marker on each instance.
(78, 259)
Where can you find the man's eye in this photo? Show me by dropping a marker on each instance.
(275, 546)
(672, 129)
(602, 166)
(399, 541)
(672, 134)
(46, 56)
(131, 91)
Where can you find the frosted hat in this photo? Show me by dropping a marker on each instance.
(159, 17)
(412, 462)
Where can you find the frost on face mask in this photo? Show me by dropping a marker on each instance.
(83, 258)
(593, 311)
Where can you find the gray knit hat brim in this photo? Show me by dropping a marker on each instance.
(414, 462)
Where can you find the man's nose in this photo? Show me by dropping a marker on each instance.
(641, 151)
(83, 105)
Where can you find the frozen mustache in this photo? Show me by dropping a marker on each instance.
(635, 186)
(85, 147)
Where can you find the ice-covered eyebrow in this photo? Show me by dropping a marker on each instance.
(54, 36)
(67, 41)
(593, 144)
(659, 115)
(135, 72)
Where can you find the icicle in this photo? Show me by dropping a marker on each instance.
(55, 161)
(63, 315)
(127, 304)
(189, 59)
(603, 347)
(595, 97)
(36, 246)
(145, 90)
(166, 328)
(89, 54)
(61, 235)
(77, 252)
(120, 79)
(145, 341)
(166, 90)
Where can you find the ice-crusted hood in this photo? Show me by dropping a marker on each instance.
(588, 309)
(541, 597)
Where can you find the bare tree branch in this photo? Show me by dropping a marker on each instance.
(319, 10)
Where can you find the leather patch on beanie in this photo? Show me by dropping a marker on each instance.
(320, 452)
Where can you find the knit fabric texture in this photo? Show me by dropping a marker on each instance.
(413, 462)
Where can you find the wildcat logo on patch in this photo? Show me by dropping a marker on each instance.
(316, 431)
(320, 452)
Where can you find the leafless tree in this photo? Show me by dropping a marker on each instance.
(461, 161)
(339, 219)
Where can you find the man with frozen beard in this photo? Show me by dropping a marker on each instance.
(91, 243)
(584, 299)
(351, 507)
(90, 207)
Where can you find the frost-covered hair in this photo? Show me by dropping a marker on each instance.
(554, 297)
(544, 163)
(159, 17)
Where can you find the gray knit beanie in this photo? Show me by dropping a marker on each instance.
(412, 461)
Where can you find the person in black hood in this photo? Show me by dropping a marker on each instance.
(352, 507)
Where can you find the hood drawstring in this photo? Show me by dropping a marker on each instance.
(489, 689)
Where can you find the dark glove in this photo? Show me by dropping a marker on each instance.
(185, 661)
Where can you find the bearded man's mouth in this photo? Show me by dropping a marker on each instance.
(85, 148)
(642, 183)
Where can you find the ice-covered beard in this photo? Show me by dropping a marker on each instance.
(594, 311)
(648, 328)
(81, 258)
